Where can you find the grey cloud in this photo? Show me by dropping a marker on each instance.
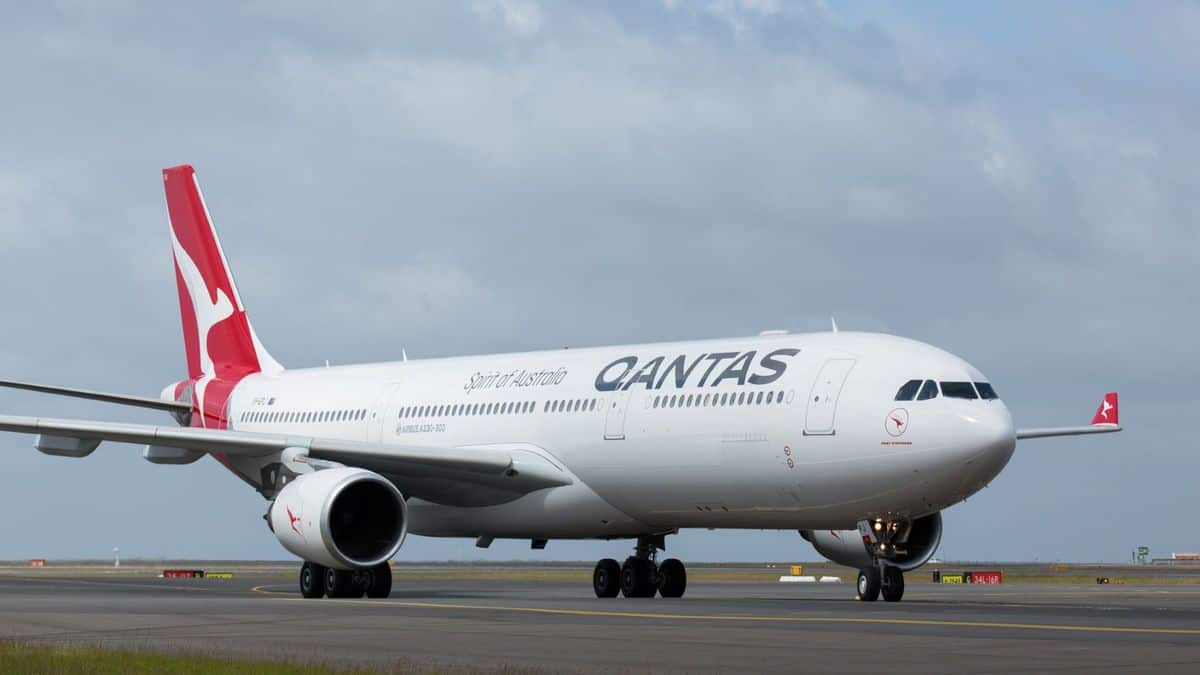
(479, 176)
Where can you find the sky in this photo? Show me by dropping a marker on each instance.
(1016, 183)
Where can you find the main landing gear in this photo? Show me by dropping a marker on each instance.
(319, 581)
(641, 576)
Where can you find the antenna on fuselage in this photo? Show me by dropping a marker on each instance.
(403, 355)
(833, 321)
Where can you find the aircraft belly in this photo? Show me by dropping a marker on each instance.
(568, 512)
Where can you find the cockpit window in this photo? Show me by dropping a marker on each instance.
(928, 391)
(908, 390)
(986, 391)
(958, 390)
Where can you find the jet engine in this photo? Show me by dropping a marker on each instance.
(344, 518)
(908, 550)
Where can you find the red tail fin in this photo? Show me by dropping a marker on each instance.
(1107, 412)
(217, 335)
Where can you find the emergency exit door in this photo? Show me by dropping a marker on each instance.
(614, 419)
(823, 400)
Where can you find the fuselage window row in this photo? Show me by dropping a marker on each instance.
(306, 417)
(711, 400)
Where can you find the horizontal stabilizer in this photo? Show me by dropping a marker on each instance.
(1105, 421)
(122, 399)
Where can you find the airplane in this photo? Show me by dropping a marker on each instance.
(856, 440)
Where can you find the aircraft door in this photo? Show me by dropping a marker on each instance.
(823, 400)
(382, 417)
(614, 419)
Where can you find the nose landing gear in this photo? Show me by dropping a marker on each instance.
(884, 580)
(886, 541)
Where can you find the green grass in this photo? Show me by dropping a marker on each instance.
(25, 659)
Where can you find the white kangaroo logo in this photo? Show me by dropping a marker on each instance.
(208, 314)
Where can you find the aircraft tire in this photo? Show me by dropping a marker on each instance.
(638, 578)
(606, 578)
(379, 584)
(312, 580)
(672, 578)
(340, 584)
(892, 584)
(868, 584)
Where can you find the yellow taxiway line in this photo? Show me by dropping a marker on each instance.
(748, 617)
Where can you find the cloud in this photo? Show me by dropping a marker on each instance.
(484, 176)
(520, 16)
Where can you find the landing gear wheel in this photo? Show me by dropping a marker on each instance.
(638, 578)
(379, 581)
(340, 584)
(672, 578)
(868, 584)
(312, 580)
(606, 579)
(892, 584)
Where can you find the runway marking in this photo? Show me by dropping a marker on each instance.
(747, 617)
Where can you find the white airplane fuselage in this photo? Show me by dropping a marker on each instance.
(791, 431)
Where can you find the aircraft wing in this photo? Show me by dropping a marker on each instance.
(444, 475)
(1104, 422)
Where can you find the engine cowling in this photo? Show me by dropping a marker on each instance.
(846, 547)
(344, 518)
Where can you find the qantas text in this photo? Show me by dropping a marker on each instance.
(740, 367)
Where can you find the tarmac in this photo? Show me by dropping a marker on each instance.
(546, 619)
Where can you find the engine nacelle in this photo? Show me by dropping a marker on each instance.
(343, 518)
(846, 547)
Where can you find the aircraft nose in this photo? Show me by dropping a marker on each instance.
(992, 437)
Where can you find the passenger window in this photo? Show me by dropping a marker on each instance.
(928, 391)
(958, 390)
(908, 390)
(770, 396)
(986, 391)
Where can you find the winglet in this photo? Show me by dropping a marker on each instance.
(1106, 414)
(1105, 421)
